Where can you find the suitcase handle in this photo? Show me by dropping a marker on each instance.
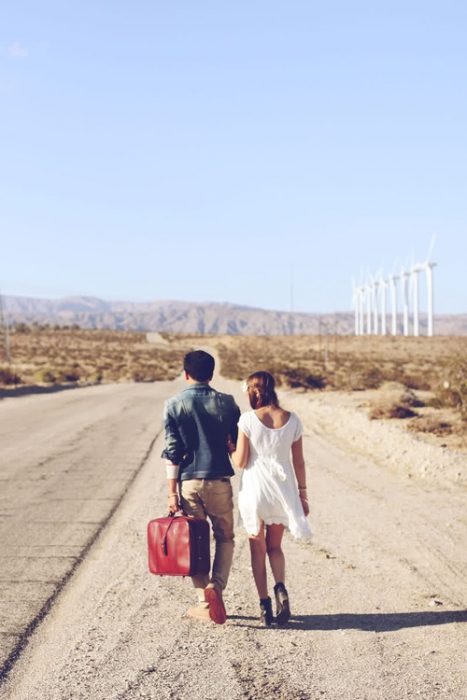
(178, 514)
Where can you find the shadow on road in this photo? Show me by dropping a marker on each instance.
(369, 622)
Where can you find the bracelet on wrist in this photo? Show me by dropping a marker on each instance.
(302, 488)
(173, 495)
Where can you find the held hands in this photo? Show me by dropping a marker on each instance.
(231, 446)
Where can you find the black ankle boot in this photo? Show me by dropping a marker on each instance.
(266, 615)
(282, 604)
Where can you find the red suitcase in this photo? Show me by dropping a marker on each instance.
(179, 546)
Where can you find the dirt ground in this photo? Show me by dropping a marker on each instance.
(379, 598)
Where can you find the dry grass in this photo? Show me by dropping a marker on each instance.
(48, 357)
(432, 424)
(391, 402)
(389, 407)
(347, 362)
(396, 370)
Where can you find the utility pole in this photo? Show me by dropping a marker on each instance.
(335, 338)
(324, 324)
(4, 333)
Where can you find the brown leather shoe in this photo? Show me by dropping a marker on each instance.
(217, 612)
(199, 612)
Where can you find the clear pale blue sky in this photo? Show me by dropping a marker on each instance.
(209, 150)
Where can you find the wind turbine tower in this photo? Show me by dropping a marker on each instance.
(361, 309)
(383, 285)
(355, 305)
(428, 267)
(393, 295)
(368, 308)
(374, 303)
(429, 283)
(405, 300)
(416, 269)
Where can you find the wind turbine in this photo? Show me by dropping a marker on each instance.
(404, 278)
(371, 303)
(429, 283)
(368, 307)
(361, 310)
(370, 298)
(414, 272)
(355, 302)
(428, 267)
(374, 304)
(392, 279)
(383, 285)
(358, 301)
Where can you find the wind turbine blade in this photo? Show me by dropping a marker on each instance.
(430, 249)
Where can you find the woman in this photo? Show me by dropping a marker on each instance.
(273, 493)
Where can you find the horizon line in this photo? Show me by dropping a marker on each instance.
(205, 303)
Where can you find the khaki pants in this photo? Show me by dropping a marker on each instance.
(212, 498)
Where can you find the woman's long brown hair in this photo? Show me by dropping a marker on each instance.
(261, 390)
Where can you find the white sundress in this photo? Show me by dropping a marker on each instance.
(268, 487)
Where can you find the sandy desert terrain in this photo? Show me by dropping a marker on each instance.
(379, 597)
(420, 382)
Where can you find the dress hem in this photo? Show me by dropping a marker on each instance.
(276, 521)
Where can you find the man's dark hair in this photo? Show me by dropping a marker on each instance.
(199, 365)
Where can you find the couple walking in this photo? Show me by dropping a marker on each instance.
(204, 433)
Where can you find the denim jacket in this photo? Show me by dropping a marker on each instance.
(197, 424)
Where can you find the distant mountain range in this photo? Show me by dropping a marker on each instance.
(191, 318)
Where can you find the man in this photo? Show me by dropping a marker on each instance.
(198, 424)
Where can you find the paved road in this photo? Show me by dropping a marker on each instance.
(379, 598)
(65, 461)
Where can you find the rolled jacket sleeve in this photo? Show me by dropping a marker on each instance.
(172, 470)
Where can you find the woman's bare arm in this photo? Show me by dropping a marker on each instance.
(298, 462)
(241, 455)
